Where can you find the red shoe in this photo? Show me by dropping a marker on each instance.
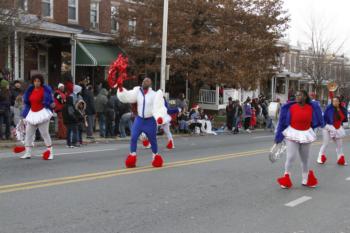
(170, 145)
(18, 149)
(130, 161)
(341, 161)
(285, 181)
(157, 161)
(322, 160)
(311, 180)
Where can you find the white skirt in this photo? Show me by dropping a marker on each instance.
(335, 133)
(36, 118)
(300, 136)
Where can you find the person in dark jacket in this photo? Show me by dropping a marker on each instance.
(229, 114)
(237, 116)
(70, 120)
(110, 117)
(5, 103)
(80, 107)
(88, 97)
(100, 106)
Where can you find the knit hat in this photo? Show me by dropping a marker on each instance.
(60, 85)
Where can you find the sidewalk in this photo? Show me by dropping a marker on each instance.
(55, 141)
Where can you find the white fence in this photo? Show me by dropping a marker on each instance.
(207, 96)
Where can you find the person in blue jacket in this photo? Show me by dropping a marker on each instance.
(334, 116)
(296, 125)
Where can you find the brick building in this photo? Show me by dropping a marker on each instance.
(55, 35)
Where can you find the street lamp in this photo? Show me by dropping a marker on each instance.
(164, 45)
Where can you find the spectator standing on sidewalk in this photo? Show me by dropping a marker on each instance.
(110, 117)
(100, 106)
(80, 107)
(60, 101)
(5, 103)
(69, 113)
(88, 97)
(15, 91)
(181, 102)
(247, 114)
(229, 114)
(237, 112)
(17, 109)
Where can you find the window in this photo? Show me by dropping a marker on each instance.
(23, 5)
(114, 18)
(132, 25)
(94, 15)
(73, 10)
(47, 8)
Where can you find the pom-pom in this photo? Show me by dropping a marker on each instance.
(145, 143)
(160, 121)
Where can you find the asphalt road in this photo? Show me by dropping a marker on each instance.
(208, 184)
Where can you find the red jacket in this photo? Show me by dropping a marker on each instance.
(60, 100)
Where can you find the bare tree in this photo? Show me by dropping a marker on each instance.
(321, 56)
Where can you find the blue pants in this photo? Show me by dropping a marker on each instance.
(147, 126)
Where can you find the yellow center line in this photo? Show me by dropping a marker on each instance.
(108, 174)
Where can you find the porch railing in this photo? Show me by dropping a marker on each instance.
(207, 96)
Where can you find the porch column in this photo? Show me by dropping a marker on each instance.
(9, 54)
(273, 88)
(217, 95)
(22, 57)
(287, 88)
(73, 43)
(16, 60)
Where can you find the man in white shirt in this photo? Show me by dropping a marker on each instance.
(150, 112)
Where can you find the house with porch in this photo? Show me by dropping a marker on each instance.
(53, 36)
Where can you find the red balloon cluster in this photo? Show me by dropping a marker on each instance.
(117, 71)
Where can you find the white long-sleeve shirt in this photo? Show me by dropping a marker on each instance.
(148, 105)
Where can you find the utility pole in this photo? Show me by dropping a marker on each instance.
(164, 45)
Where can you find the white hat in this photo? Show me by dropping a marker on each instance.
(77, 89)
(60, 85)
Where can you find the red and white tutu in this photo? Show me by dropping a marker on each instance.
(335, 133)
(36, 118)
(300, 136)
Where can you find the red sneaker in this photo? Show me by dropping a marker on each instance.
(322, 159)
(285, 181)
(170, 145)
(341, 161)
(157, 161)
(130, 161)
(311, 180)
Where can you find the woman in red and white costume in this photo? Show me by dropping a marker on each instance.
(37, 113)
(296, 123)
(334, 116)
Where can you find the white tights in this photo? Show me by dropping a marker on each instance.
(326, 139)
(295, 148)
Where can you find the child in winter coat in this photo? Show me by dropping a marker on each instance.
(80, 107)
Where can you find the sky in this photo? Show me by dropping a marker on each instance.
(332, 15)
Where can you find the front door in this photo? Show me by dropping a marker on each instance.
(43, 64)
